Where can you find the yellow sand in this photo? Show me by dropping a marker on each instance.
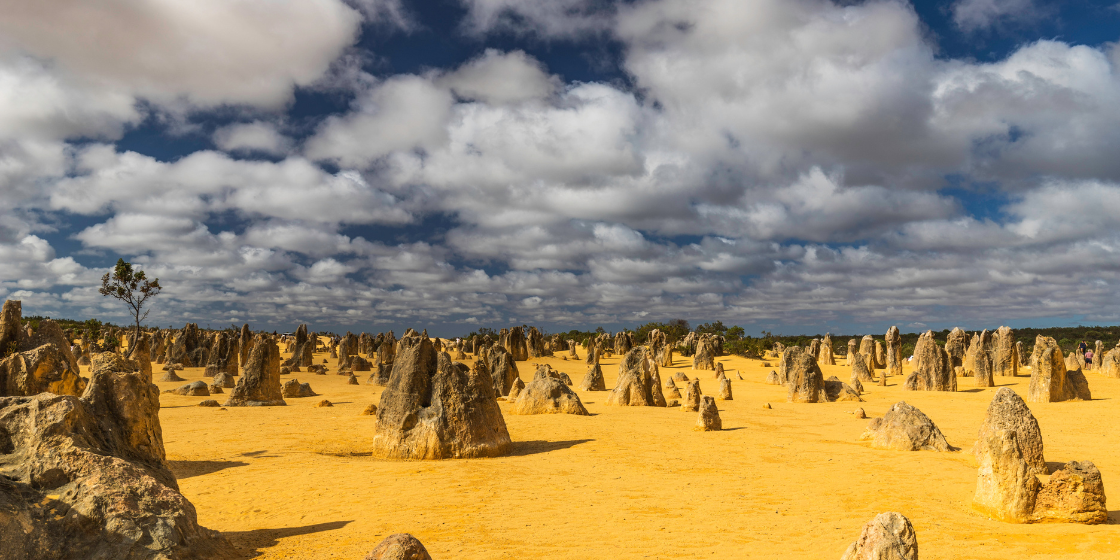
(625, 482)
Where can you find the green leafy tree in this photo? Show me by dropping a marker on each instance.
(133, 288)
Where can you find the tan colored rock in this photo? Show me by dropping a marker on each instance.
(192, 389)
(692, 396)
(956, 347)
(260, 383)
(547, 395)
(1005, 353)
(639, 383)
(894, 351)
(772, 378)
(803, 376)
(889, 536)
(1050, 381)
(434, 408)
(1074, 494)
(593, 380)
(1110, 363)
(853, 351)
(932, 367)
(370, 410)
(1005, 487)
(724, 390)
(515, 389)
(1008, 411)
(905, 428)
(824, 353)
(293, 389)
(708, 420)
(324, 404)
(401, 546)
(860, 371)
(706, 352)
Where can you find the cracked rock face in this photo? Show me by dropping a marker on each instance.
(88, 475)
(889, 536)
(434, 408)
(905, 428)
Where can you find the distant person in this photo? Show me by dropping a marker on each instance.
(1088, 359)
(1083, 347)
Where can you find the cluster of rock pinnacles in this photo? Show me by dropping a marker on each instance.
(433, 407)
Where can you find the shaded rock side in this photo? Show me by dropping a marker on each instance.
(434, 408)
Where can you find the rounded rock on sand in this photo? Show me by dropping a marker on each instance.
(324, 403)
(210, 403)
(370, 410)
(401, 546)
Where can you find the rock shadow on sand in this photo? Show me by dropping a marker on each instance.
(533, 447)
(253, 543)
(188, 469)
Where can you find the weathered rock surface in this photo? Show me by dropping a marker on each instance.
(192, 389)
(708, 420)
(836, 390)
(401, 546)
(87, 477)
(1050, 381)
(824, 353)
(260, 383)
(434, 408)
(38, 362)
(547, 395)
(503, 369)
(593, 380)
(639, 383)
(978, 360)
(224, 380)
(803, 376)
(1110, 363)
(1008, 411)
(905, 428)
(293, 389)
(889, 536)
(1005, 353)
(707, 348)
(894, 351)
(692, 396)
(932, 367)
(724, 393)
(516, 388)
(860, 371)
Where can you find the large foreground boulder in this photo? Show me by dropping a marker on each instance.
(547, 395)
(260, 383)
(434, 408)
(87, 477)
(639, 383)
(905, 428)
(1008, 411)
(889, 536)
(1007, 490)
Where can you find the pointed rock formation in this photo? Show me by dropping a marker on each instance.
(725, 390)
(434, 408)
(955, 346)
(803, 376)
(1050, 381)
(932, 370)
(260, 383)
(1005, 355)
(639, 383)
(594, 381)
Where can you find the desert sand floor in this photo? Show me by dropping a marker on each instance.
(626, 482)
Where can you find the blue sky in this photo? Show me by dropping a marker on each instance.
(792, 166)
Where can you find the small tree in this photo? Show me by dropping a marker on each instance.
(133, 288)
